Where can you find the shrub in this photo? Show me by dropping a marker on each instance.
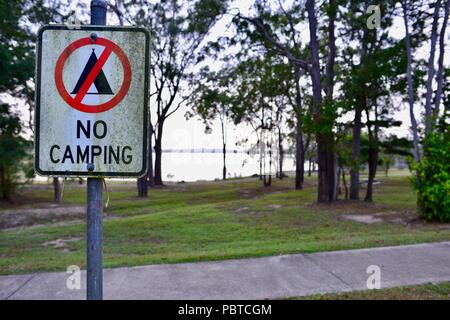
(432, 181)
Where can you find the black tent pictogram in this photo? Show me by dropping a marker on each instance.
(100, 81)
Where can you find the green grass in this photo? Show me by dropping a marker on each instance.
(439, 291)
(212, 221)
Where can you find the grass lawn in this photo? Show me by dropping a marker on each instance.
(439, 291)
(206, 221)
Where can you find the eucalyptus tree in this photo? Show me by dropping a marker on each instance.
(440, 76)
(431, 70)
(406, 7)
(367, 74)
(276, 29)
(213, 98)
(257, 84)
(177, 29)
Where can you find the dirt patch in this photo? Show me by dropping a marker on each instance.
(368, 219)
(274, 206)
(51, 213)
(63, 244)
(370, 213)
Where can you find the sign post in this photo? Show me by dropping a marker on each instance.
(91, 113)
(94, 215)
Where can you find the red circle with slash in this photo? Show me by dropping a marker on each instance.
(76, 102)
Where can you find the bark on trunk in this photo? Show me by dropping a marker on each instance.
(280, 155)
(440, 74)
(373, 160)
(310, 167)
(345, 183)
(142, 187)
(299, 146)
(410, 83)
(57, 190)
(150, 177)
(356, 145)
(158, 155)
(323, 186)
(146, 181)
(373, 154)
(429, 86)
(332, 157)
(224, 171)
(333, 178)
(260, 148)
(299, 158)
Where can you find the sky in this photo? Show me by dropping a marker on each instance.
(187, 134)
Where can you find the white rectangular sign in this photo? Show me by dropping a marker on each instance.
(91, 101)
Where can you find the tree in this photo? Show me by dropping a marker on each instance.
(259, 83)
(211, 100)
(266, 26)
(17, 67)
(369, 83)
(177, 32)
(18, 21)
(14, 152)
(405, 6)
(430, 75)
(440, 73)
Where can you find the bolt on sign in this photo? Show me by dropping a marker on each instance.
(91, 101)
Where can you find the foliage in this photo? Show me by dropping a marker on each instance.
(14, 152)
(433, 177)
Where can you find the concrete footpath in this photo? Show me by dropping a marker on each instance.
(256, 278)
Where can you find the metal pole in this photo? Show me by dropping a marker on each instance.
(95, 202)
(94, 239)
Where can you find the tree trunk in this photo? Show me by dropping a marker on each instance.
(57, 190)
(224, 171)
(410, 83)
(299, 158)
(280, 154)
(339, 191)
(323, 191)
(373, 154)
(332, 157)
(158, 155)
(142, 186)
(299, 146)
(440, 74)
(310, 167)
(4, 184)
(429, 85)
(150, 177)
(322, 139)
(334, 175)
(373, 160)
(260, 147)
(356, 145)
(146, 181)
(344, 182)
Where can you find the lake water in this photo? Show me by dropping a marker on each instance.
(208, 166)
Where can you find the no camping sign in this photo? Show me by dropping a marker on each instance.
(91, 101)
